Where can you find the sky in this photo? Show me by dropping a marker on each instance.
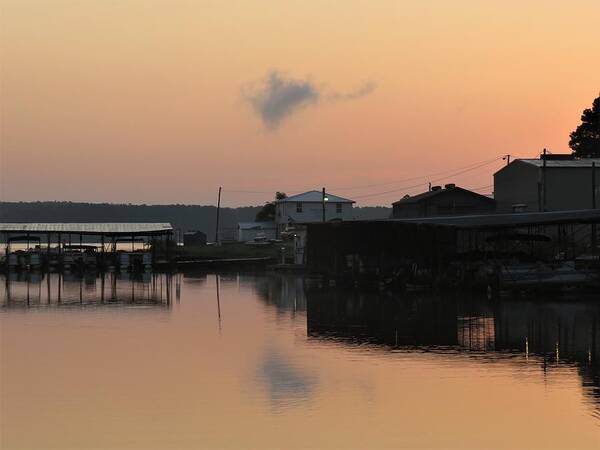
(164, 101)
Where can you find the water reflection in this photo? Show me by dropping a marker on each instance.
(285, 382)
(291, 366)
(284, 291)
(31, 289)
(557, 332)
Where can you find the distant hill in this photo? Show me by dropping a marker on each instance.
(182, 217)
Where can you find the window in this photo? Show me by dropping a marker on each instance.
(298, 207)
(338, 208)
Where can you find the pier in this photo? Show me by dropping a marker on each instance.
(100, 246)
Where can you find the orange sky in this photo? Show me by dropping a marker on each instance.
(147, 101)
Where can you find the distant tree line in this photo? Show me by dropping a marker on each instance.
(182, 217)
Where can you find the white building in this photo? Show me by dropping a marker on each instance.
(308, 207)
(248, 231)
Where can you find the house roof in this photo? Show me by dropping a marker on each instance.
(550, 163)
(314, 197)
(88, 228)
(429, 194)
(256, 225)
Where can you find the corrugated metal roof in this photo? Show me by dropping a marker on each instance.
(87, 228)
(315, 197)
(256, 225)
(505, 220)
(487, 221)
(584, 162)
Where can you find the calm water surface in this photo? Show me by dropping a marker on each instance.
(260, 361)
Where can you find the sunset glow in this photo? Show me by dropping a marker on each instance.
(148, 101)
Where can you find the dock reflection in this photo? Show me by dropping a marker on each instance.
(549, 332)
(31, 289)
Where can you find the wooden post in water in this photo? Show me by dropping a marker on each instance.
(60, 251)
(102, 259)
(60, 279)
(48, 251)
(168, 247)
(102, 286)
(153, 243)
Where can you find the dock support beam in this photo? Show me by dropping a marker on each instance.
(594, 227)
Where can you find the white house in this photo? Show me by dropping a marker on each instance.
(308, 207)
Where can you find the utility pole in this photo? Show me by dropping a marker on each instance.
(218, 212)
(507, 159)
(323, 202)
(544, 197)
(430, 186)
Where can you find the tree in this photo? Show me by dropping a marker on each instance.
(585, 140)
(267, 213)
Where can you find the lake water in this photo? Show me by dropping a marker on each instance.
(246, 361)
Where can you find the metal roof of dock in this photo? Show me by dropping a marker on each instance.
(106, 229)
(256, 225)
(555, 163)
(490, 221)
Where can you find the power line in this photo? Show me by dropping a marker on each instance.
(247, 192)
(472, 165)
(377, 194)
(451, 174)
(488, 161)
(482, 187)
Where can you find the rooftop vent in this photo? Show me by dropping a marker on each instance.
(450, 186)
(436, 188)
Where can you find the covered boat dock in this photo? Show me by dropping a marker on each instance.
(126, 246)
(529, 247)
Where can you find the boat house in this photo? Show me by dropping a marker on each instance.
(127, 246)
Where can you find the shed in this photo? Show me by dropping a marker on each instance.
(194, 237)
